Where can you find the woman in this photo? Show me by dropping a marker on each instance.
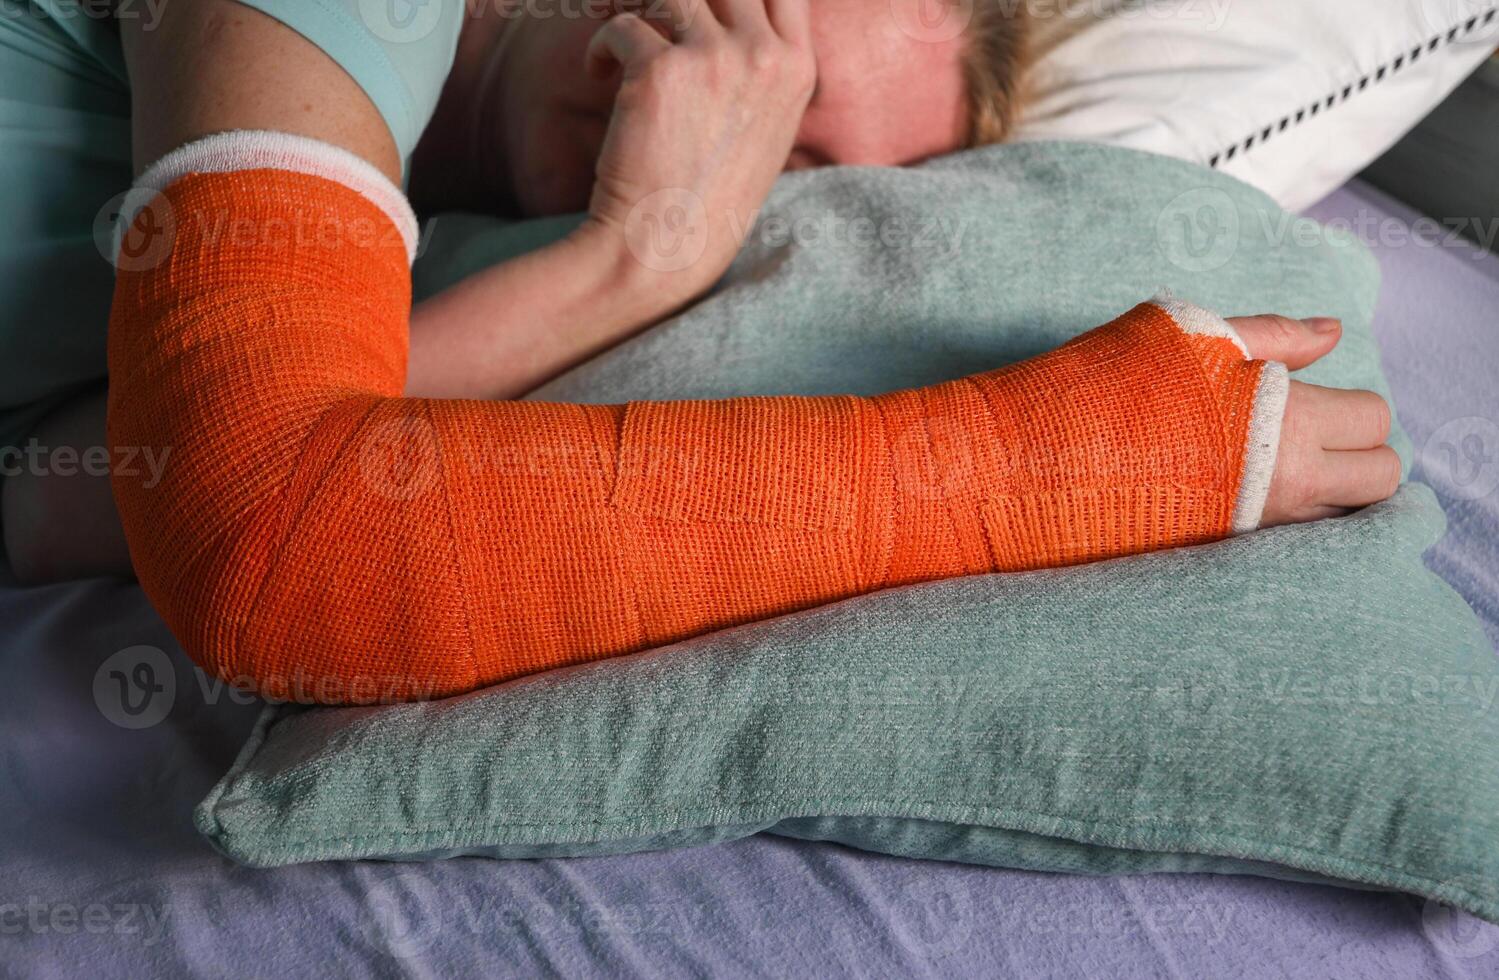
(485, 106)
(282, 557)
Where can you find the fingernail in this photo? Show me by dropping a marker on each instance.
(1323, 324)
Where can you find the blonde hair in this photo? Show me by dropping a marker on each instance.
(994, 65)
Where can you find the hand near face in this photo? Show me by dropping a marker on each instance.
(706, 116)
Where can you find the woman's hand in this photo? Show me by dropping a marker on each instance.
(1333, 457)
(707, 112)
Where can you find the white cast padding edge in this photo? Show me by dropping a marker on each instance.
(1264, 422)
(254, 149)
(1264, 446)
(1194, 319)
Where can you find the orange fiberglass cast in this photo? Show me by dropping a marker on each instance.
(314, 531)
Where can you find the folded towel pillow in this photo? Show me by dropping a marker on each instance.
(1305, 702)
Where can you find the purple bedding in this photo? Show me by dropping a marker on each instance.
(101, 873)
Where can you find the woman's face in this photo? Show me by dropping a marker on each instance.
(886, 96)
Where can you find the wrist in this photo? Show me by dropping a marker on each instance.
(631, 272)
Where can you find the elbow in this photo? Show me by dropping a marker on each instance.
(253, 365)
(287, 563)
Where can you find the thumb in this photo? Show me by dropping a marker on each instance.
(1295, 343)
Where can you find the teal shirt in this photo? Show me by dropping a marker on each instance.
(65, 158)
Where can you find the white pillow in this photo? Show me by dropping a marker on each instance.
(1292, 96)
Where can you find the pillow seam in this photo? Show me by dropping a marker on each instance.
(1383, 70)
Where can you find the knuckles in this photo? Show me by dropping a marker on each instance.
(1285, 332)
(670, 69)
(764, 59)
(766, 67)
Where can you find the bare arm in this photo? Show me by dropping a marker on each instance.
(214, 65)
(503, 331)
(208, 66)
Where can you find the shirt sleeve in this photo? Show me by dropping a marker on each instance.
(399, 51)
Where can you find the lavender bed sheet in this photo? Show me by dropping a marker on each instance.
(101, 873)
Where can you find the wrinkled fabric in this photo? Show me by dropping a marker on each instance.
(92, 813)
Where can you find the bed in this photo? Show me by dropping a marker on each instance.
(102, 872)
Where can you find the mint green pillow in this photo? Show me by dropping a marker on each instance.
(1306, 702)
